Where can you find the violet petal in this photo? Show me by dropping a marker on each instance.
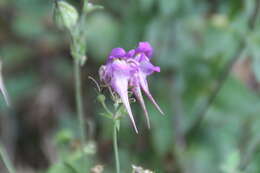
(120, 85)
(139, 96)
(145, 88)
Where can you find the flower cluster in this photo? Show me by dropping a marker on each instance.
(129, 70)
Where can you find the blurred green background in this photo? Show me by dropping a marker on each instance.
(193, 41)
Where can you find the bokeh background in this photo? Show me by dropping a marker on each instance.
(208, 87)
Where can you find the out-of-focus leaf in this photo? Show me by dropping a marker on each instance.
(61, 168)
(3, 3)
(37, 8)
(168, 7)
(253, 42)
(231, 163)
(249, 7)
(232, 98)
(64, 136)
(14, 54)
(235, 7)
(161, 127)
(100, 43)
(239, 26)
(23, 23)
(28, 84)
(200, 158)
(73, 162)
(156, 34)
(146, 5)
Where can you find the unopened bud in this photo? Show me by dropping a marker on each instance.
(101, 98)
(65, 15)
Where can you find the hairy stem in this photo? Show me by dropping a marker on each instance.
(78, 95)
(6, 160)
(116, 148)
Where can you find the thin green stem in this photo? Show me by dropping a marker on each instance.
(106, 108)
(6, 160)
(116, 147)
(78, 95)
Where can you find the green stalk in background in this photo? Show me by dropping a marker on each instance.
(6, 160)
(68, 19)
(79, 102)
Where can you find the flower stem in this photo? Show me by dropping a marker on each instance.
(78, 95)
(6, 160)
(116, 147)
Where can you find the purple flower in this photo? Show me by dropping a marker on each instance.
(146, 48)
(129, 70)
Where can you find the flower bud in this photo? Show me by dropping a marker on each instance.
(101, 98)
(65, 15)
(64, 137)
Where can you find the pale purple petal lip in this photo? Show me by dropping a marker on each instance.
(148, 68)
(120, 85)
(139, 96)
(145, 88)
